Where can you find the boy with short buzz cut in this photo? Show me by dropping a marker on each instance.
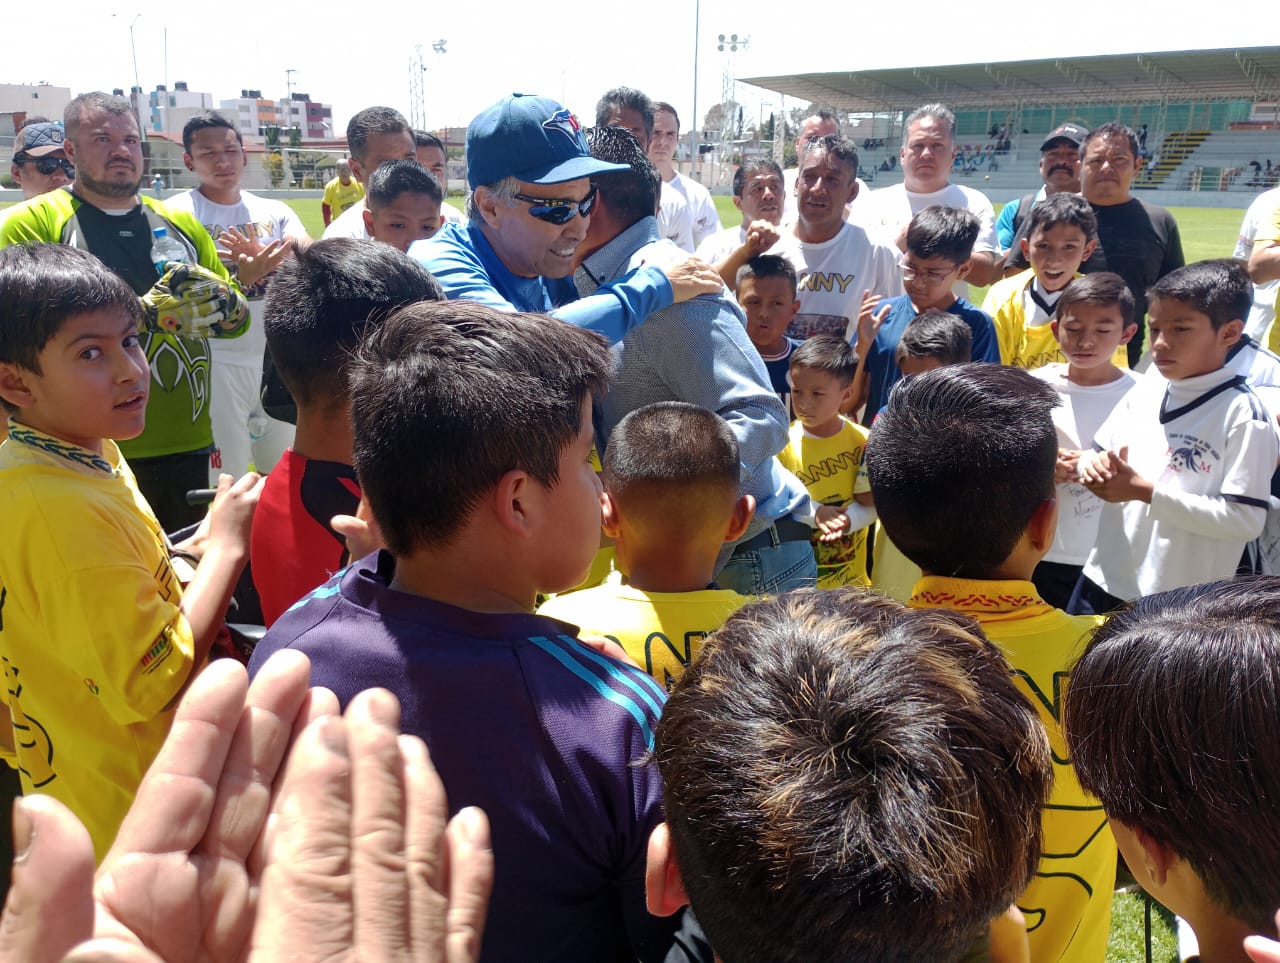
(766, 292)
(950, 444)
(1062, 232)
(1186, 463)
(825, 452)
(939, 247)
(834, 791)
(472, 441)
(97, 634)
(671, 502)
(1173, 720)
(402, 204)
(1094, 322)
(321, 303)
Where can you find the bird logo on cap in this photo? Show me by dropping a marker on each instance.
(563, 121)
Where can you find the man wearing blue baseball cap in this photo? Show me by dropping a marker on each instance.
(529, 169)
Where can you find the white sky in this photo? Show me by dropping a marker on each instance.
(572, 50)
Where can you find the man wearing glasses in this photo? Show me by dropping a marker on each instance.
(39, 161)
(529, 170)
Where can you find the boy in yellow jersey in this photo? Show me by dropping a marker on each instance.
(961, 463)
(825, 452)
(97, 635)
(671, 503)
(1062, 232)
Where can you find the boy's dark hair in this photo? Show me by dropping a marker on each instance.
(1100, 289)
(838, 147)
(676, 459)
(631, 195)
(1172, 720)
(948, 232)
(663, 105)
(828, 353)
(959, 461)
(828, 764)
(423, 138)
(769, 266)
(1112, 129)
(208, 120)
(448, 396)
(936, 334)
(394, 177)
(750, 168)
(625, 98)
(372, 120)
(42, 286)
(320, 303)
(1219, 288)
(1062, 208)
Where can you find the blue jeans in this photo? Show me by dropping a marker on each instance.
(768, 571)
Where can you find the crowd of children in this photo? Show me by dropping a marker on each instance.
(889, 765)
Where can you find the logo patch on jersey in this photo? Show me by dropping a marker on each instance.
(565, 123)
(1189, 454)
(154, 656)
(91, 686)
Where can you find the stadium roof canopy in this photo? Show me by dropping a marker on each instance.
(1196, 76)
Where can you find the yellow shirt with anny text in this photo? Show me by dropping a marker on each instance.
(831, 469)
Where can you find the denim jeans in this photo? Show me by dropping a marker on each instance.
(768, 571)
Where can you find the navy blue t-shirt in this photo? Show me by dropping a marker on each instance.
(779, 369)
(522, 720)
(882, 366)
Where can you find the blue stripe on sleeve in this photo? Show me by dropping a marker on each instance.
(636, 681)
(617, 698)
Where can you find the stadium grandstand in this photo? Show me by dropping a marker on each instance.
(1212, 117)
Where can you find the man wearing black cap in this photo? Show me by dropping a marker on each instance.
(39, 161)
(1060, 171)
(1137, 240)
(529, 169)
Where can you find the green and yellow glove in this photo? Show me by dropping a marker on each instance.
(193, 302)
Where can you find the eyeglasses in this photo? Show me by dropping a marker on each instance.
(909, 272)
(556, 210)
(47, 165)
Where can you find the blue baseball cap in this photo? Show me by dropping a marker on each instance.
(530, 138)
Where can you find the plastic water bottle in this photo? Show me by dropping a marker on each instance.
(165, 249)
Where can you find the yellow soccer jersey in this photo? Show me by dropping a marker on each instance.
(93, 643)
(1022, 344)
(340, 196)
(1068, 904)
(662, 631)
(830, 468)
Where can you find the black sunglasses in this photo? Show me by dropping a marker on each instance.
(47, 165)
(557, 210)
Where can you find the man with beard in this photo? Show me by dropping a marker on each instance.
(103, 212)
(1060, 171)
